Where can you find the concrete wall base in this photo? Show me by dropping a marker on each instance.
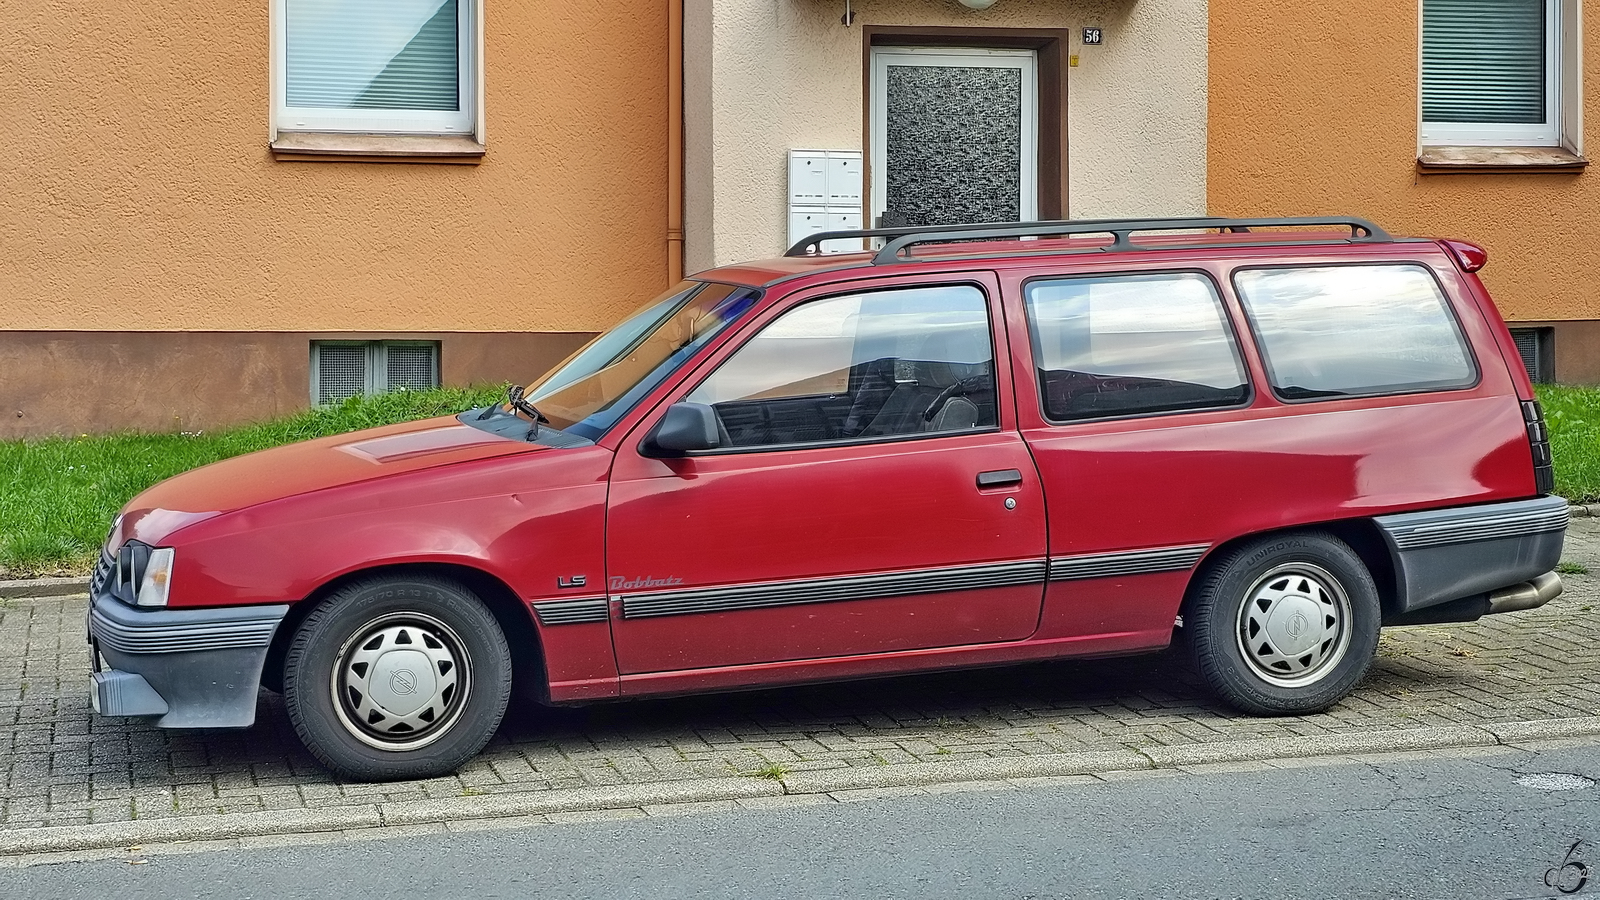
(84, 382)
(1577, 345)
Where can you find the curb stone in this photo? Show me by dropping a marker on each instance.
(29, 588)
(14, 589)
(512, 807)
(409, 812)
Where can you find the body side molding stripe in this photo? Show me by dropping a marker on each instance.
(573, 612)
(1127, 562)
(824, 590)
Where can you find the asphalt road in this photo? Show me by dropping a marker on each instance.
(1442, 826)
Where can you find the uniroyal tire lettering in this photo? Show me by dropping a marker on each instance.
(1264, 552)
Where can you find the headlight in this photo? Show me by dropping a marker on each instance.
(143, 574)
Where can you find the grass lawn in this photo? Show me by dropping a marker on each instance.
(1573, 414)
(58, 495)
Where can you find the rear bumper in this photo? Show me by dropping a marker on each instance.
(1455, 565)
(190, 668)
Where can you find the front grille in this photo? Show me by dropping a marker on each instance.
(119, 575)
(102, 572)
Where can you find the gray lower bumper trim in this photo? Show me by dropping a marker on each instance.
(1449, 554)
(118, 626)
(1527, 595)
(1472, 524)
(116, 693)
(192, 668)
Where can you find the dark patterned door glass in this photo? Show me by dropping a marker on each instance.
(954, 144)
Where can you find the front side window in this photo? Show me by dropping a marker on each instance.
(598, 384)
(889, 363)
(383, 66)
(1491, 72)
(1343, 331)
(1128, 345)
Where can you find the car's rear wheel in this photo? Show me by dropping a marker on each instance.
(1284, 625)
(401, 677)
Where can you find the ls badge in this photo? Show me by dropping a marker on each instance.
(574, 581)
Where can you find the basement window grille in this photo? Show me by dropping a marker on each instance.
(1536, 346)
(343, 369)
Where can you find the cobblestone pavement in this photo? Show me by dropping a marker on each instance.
(61, 765)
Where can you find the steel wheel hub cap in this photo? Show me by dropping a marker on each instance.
(400, 682)
(1294, 625)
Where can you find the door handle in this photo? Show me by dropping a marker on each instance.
(999, 478)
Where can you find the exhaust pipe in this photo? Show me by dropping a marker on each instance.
(1527, 595)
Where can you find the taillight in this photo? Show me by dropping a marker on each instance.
(1544, 472)
(1470, 256)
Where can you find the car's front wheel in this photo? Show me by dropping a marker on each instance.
(1284, 625)
(401, 677)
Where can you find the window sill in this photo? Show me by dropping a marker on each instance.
(307, 146)
(1492, 160)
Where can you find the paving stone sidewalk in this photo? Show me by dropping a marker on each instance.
(61, 766)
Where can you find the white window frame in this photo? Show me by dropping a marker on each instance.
(971, 57)
(1563, 21)
(467, 120)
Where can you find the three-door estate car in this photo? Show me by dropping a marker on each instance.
(973, 446)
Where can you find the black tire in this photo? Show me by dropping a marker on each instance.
(1284, 625)
(393, 678)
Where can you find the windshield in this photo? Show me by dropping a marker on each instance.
(595, 386)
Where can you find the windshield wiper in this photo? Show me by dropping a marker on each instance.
(515, 400)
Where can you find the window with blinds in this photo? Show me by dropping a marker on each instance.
(1490, 72)
(343, 369)
(375, 65)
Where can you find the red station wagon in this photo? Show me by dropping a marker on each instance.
(974, 446)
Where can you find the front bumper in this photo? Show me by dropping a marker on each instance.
(192, 668)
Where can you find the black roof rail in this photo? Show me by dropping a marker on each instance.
(900, 239)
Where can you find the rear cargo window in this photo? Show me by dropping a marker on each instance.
(1341, 331)
(1129, 345)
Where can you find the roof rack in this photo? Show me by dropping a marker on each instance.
(899, 240)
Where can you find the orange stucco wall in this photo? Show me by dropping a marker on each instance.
(138, 192)
(1313, 110)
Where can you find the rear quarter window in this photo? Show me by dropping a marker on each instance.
(1354, 330)
(1121, 345)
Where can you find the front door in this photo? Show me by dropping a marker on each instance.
(871, 494)
(954, 136)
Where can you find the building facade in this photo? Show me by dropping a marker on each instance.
(1005, 104)
(208, 204)
(1446, 118)
(217, 214)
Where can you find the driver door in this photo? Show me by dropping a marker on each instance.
(870, 494)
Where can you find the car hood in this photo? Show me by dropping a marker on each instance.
(294, 469)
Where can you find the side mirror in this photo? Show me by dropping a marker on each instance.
(686, 427)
